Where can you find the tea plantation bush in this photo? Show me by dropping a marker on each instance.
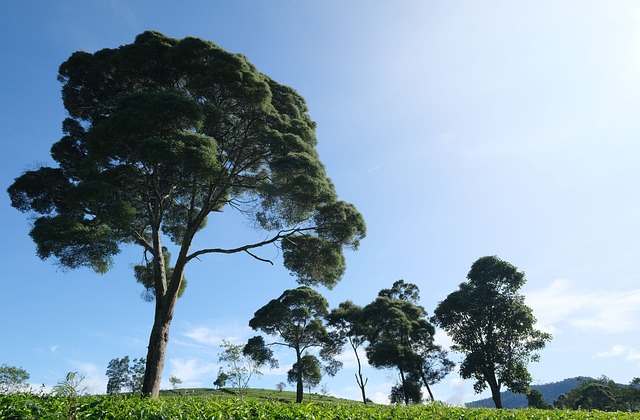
(27, 406)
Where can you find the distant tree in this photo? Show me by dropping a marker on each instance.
(281, 386)
(408, 392)
(601, 394)
(309, 369)
(136, 375)
(221, 380)
(536, 400)
(347, 326)
(297, 318)
(12, 379)
(125, 373)
(175, 381)
(241, 367)
(117, 375)
(400, 336)
(163, 133)
(489, 322)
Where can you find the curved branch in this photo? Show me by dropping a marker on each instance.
(280, 235)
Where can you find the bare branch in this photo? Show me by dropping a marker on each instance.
(280, 235)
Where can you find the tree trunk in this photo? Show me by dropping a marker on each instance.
(495, 390)
(299, 386)
(359, 379)
(156, 353)
(405, 392)
(426, 384)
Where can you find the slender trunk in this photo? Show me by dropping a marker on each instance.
(359, 379)
(299, 386)
(426, 384)
(405, 391)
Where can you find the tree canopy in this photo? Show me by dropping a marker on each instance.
(489, 322)
(160, 135)
(400, 336)
(297, 317)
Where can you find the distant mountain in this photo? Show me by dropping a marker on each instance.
(550, 392)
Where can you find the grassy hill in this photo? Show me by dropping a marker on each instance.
(255, 393)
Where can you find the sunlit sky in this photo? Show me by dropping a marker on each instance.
(458, 129)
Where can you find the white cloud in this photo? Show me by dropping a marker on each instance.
(458, 394)
(620, 350)
(94, 380)
(193, 372)
(605, 310)
(204, 335)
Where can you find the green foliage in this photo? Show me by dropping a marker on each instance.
(408, 393)
(12, 379)
(309, 368)
(297, 317)
(536, 400)
(123, 373)
(30, 407)
(241, 367)
(221, 380)
(489, 322)
(400, 336)
(163, 134)
(601, 394)
(346, 324)
(175, 381)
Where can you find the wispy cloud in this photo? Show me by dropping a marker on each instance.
(564, 304)
(620, 350)
(193, 372)
(208, 336)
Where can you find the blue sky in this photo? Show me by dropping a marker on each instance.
(459, 130)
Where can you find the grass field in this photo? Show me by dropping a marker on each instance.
(257, 404)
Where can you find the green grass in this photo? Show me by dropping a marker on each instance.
(221, 407)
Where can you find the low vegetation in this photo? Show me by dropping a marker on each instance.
(28, 406)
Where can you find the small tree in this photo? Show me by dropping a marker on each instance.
(489, 322)
(309, 369)
(241, 367)
(136, 375)
(407, 392)
(118, 375)
(297, 317)
(536, 400)
(400, 336)
(221, 380)
(347, 325)
(124, 373)
(280, 386)
(175, 381)
(12, 379)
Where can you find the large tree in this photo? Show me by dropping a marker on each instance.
(297, 318)
(400, 336)
(489, 322)
(163, 133)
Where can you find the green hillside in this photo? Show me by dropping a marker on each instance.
(549, 392)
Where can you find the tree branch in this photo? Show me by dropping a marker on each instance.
(280, 235)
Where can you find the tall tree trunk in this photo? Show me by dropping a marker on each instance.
(405, 391)
(359, 379)
(426, 384)
(156, 353)
(299, 386)
(495, 390)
